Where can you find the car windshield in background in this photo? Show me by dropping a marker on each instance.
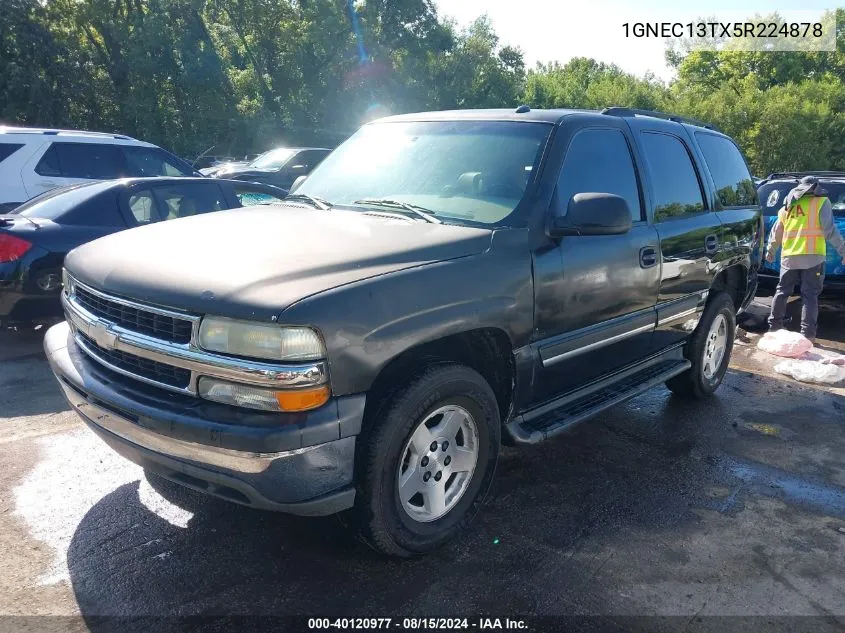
(274, 159)
(772, 195)
(474, 171)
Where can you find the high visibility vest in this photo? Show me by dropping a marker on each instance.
(802, 227)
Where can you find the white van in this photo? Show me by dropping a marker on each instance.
(35, 160)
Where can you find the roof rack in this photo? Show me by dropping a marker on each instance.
(630, 112)
(8, 129)
(800, 174)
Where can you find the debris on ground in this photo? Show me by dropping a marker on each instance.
(811, 371)
(785, 343)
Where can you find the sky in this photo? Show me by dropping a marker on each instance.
(548, 30)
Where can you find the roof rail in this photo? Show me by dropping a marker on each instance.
(8, 129)
(630, 112)
(800, 174)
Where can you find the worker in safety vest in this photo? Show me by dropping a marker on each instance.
(804, 224)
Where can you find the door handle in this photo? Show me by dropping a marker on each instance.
(711, 243)
(648, 257)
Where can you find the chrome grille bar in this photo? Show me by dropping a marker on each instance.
(99, 337)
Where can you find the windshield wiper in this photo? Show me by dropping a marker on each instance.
(421, 212)
(317, 203)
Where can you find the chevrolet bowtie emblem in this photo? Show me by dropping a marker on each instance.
(103, 336)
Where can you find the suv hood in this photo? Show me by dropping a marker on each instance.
(254, 262)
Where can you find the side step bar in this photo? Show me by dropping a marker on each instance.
(560, 415)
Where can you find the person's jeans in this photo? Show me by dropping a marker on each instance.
(811, 280)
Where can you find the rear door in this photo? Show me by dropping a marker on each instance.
(689, 230)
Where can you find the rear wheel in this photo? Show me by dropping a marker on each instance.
(709, 350)
(426, 461)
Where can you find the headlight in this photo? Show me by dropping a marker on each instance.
(259, 340)
(67, 282)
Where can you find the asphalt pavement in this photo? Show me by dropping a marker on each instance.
(733, 506)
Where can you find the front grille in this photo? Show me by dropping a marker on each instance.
(138, 320)
(150, 369)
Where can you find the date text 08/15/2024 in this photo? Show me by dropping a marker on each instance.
(417, 624)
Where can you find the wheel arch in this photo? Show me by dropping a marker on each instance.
(487, 350)
(734, 281)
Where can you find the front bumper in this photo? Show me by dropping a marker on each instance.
(295, 463)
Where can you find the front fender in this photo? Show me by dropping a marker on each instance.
(367, 324)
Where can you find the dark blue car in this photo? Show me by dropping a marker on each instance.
(36, 236)
(772, 192)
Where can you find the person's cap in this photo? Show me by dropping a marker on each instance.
(808, 184)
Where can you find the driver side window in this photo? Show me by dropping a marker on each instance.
(599, 160)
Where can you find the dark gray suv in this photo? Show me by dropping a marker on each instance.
(441, 284)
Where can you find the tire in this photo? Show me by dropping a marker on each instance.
(439, 396)
(698, 381)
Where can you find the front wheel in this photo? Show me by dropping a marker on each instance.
(426, 461)
(708, 350)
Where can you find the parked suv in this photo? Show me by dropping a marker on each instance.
(441, 284)
(34, 160)
(772, 192)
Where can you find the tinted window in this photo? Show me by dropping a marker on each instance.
(151, 161)
(247, 196)
(143, 207)
(180, 201)
(7, 149)
(734, 185)
(308, 159)
(49, 163)
(674, 182)
(599, 161)
(94, 161)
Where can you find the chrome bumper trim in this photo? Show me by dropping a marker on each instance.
(238, 461)
(199, 363)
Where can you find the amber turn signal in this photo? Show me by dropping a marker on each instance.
(303, 399)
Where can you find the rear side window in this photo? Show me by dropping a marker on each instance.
(7, 149)
(677, 190)
(734, 185)
(599, 161)
(180, 201)
(143, 206)
(93, 161)
(151, 161)
(49, 163)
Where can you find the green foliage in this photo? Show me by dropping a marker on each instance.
(244, 75)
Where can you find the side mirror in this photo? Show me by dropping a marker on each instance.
(297, 182)
(592, 214)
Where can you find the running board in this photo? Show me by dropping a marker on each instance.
(556, 417)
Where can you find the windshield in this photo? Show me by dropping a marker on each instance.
(461, 170)
(772, 195)
(274, 159)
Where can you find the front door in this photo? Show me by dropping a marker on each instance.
(595, 295)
